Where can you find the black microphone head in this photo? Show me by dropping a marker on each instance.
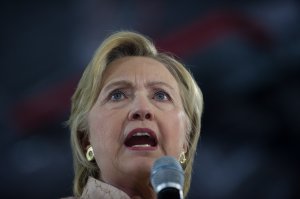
(167, 173)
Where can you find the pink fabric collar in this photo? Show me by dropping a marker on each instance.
(99, 190)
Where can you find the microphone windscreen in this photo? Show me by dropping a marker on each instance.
(167, 173)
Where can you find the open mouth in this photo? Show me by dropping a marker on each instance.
(141, 138)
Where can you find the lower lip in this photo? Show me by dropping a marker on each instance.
(142, 148)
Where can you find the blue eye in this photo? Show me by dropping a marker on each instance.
(161, 96)
(117, 95)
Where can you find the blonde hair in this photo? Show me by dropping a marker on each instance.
(116, 46)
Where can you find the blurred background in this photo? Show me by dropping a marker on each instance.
(245, 56)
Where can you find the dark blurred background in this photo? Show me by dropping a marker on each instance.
(245, 56)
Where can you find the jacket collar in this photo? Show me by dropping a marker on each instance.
(99, 190)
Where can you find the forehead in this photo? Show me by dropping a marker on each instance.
(138, 69)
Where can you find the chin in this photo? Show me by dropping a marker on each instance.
(140, 165)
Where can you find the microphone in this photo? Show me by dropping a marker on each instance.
(167, 178)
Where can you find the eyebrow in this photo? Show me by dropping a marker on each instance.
(117, 83)
(126, 83)
(154, 83)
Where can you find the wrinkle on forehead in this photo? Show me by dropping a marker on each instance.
(141, 75)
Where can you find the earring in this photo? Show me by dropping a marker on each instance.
(90, 153)
(182, 158)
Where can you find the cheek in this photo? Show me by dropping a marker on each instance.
(176, 132)
(103, 133)
(180, 124)
(97, 135)
(103, 148)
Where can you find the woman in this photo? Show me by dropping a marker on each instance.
(132, 106)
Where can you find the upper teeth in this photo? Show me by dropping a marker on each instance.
(141, 145)
(141, 134)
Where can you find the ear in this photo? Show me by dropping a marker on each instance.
(187, 134)
(185, 146)
(84, 141)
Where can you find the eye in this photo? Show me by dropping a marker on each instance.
(117, 95)
(161, 96)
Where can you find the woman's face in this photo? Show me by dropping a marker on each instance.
(137, 118)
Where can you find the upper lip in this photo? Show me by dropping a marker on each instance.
(150, 132)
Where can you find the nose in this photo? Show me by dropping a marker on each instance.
(140, 115)
(141, 110)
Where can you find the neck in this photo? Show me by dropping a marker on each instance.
(142, 193)
(135, 188)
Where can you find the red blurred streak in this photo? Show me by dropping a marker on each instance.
(215, 26)
(46, 107)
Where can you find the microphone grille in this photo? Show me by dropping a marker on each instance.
(166, 172)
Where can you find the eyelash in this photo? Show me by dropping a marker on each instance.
(162, 92)
(114, 92)
(156, 93)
